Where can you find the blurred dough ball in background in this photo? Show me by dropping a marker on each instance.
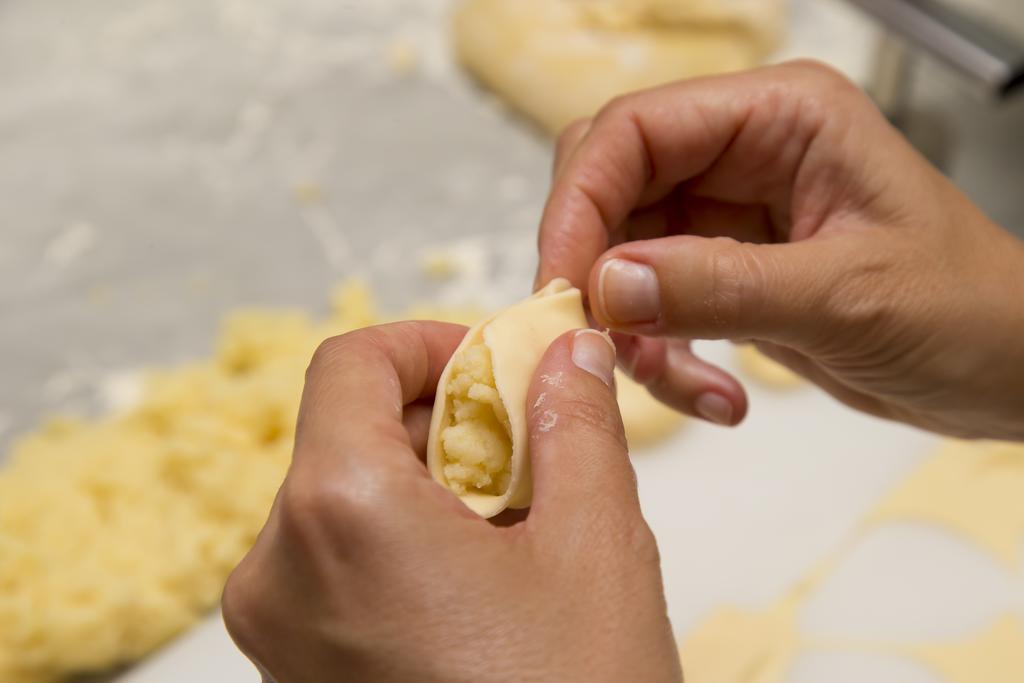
(647, 421)
(561, 60)
(765, 371)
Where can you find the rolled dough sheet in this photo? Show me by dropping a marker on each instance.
(974, 490)
(741, 646)
(996, 655)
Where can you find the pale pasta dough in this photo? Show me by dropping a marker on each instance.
(974, 490)
(970, 489)
(995, 655)
(647, 420)
(561, 60)
(742, 646)
(479, 445)
(762, 369)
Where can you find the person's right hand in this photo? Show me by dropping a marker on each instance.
(779, 206)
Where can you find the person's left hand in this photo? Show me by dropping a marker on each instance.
(368, 570)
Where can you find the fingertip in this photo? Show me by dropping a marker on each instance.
(594, 353)
(625, 291)
(740, 401)
(565, 253)
(577, 442)
(537, 286)
(674, 375)
(596, 296)
(571, 365)
(715, 408)
(723, 385)
(714, 397)
(576, 378)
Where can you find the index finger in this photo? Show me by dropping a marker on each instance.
(746, 129)
(358, 385)
(638, 148)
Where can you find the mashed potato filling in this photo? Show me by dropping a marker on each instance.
(477, 442)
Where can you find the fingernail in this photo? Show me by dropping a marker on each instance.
(629, 292)
(714, 408)
(595, 353)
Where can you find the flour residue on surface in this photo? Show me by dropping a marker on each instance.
(69, 245)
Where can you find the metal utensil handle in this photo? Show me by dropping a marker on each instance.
(982, 52)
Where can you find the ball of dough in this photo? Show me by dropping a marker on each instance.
(647, 420)
(561, 60)
(766, 371)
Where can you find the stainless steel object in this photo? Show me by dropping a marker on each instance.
(987, 55)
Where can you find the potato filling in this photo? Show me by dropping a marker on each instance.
(477, 442)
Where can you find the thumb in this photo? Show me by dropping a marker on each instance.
(577, 445)
(715, 288)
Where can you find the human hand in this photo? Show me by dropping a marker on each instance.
(779, 206)
(368, 570)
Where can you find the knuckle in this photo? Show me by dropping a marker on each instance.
(364, 345)
(584, 417)
(860, 309)
(326, 354)
(854, 309)
(303, 506)
(860, 299)
(641, 542)
(242, 608)
(823, 84)
(573, 132)
(316, 508)
(818, 71)
(737, 275)
(617, 107)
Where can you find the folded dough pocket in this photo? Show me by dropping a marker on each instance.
(478, 446)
